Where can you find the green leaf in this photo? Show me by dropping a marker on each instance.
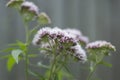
(21, 45)
(105, 64)
(7, 49)
(45, 49)
(5, 56)
(10, 63)
(32, 55)
(42, 65)
(37, 75)
(15, 53)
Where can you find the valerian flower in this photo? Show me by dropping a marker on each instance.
(100, 46)
(41, 35)
(60, 40)
(29, 11)
(79, 53)
(78, 35)
(29, 7)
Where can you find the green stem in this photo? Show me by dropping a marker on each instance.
(64, 62)
(26, 66)
(26, 51)
(52, 71)
(92, 72)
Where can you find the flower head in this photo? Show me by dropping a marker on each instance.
(56, 33)
(79, 53)
(41, 35)
(29, 7)
(77, 35)
(101, 45)
(60, 40)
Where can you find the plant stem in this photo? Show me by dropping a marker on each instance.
(26, 51)
(64, 62)
(26, 66)
(52, 67)
(92, 72)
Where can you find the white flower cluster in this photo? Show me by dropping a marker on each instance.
(30, 6)
(79, 53)
(65, 39)
(100, 45)
(77, 35)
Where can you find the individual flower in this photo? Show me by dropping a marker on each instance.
(77, 35)
(79, 53)
(103, 45)
(29, 7)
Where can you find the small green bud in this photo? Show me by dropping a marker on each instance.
(43, 19)
(15, 3)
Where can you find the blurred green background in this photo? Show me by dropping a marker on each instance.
(97, 19)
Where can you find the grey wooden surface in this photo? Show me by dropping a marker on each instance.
(98, 19)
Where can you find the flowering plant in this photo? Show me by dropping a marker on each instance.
(59, 45)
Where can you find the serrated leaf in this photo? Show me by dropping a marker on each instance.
(15, 53)
(10, 63)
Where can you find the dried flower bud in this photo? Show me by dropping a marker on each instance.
(43, 19)
(103, 45)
